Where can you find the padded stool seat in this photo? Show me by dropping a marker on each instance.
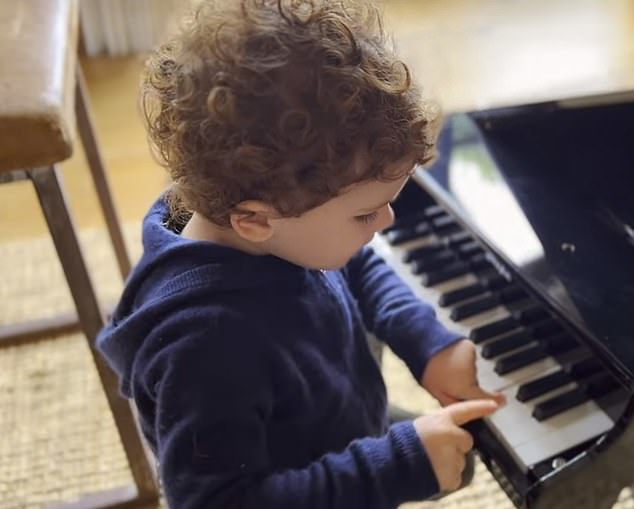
(38, 57)
(42, 97)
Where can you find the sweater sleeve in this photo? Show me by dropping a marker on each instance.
(394, 314)
(214, 398)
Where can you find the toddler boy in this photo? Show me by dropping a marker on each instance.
(287, 127)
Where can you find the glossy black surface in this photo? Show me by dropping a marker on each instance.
(558, 205)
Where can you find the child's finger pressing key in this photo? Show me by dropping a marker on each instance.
(446, 442)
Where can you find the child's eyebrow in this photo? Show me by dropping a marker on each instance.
(370, 209)
(409, 174)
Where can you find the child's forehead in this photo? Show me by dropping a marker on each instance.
(396, 175)
(372, 193)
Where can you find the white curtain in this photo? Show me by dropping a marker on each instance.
(121, 27)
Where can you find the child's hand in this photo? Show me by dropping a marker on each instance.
(446, 443)
(450, 375)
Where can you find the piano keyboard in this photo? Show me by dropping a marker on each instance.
(550, 381)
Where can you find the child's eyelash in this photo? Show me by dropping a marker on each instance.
(367, 218)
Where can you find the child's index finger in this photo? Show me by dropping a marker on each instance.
(466, 411)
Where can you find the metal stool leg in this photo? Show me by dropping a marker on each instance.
(97, 169)
(13, 334)
(50, 194)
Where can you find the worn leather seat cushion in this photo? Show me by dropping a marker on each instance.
(38, 55)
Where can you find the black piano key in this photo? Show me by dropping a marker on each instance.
(400, 235)
(486, 331)
(530, 314)
(479, 262)
(434, 211)
(561, 403)
(505, 344)
(493, 280)
(433, 261)
(474, 307)
(456, 239)
(545, 328)
(510, 293)
(559, 343)
(600, 385)
(535, 388)
(444, 224)
(422, 251)
(573, 371)
(459, 294)
(506, 295)
(490, 280)
(583, 368)
(520, 359)
(445, 274)
(487, 301)
(469, 248)
(476, 263)
(594, 387)
(556, 344)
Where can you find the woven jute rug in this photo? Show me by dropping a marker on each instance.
(57, 438)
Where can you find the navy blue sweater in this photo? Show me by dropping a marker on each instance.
(254, 381)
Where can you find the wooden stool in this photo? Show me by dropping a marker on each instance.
(41, 93)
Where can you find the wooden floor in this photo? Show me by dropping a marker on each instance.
(505, 52)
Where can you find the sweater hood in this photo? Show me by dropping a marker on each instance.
(171, 268)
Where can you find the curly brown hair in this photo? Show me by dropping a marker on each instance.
(272, 100)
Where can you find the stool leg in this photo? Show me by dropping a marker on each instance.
(49, 191)
(97, 169)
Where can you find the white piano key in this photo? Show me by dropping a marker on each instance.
(533, 441)
(516, 416)
(581, 423)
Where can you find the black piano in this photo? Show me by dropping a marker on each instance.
(522, 236)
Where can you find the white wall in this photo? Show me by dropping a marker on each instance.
(121, 27)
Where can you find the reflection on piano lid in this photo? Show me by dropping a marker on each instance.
(557, 203)
(503, 255)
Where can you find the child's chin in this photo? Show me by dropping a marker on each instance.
(334, 265)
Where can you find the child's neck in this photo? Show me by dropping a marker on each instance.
(199, 228)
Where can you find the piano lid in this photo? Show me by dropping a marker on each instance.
(558, 204)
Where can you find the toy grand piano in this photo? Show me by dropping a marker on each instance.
(522, 236)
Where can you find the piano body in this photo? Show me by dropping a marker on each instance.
(522, 237)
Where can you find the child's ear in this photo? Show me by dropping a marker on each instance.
(252, 220)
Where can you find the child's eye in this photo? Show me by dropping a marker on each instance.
(367, 218)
